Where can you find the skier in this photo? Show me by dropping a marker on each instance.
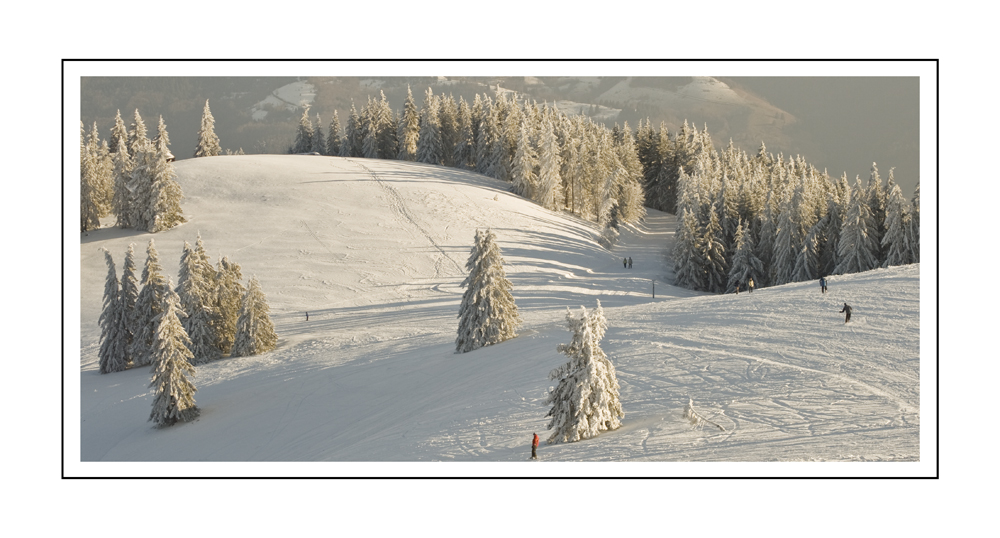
(846, 309)
(630, 262)
(307, 316)
(625, 263)
(534, 446)
(822, 283)
(750, 285)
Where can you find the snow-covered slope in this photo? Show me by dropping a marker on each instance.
(375, 252)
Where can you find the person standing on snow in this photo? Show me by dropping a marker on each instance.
(624, 263)
(846, 309)
(750, 285)
(630, 262)
(822, 284)
(534, 446)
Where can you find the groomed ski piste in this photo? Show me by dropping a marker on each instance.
(371, 384)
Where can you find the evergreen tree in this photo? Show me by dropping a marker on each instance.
(162, 138)
(304, 136)
(448, 121)
(549, 180)
(148, 305)
(689, 263)
(914, 227)
(333, 140)
(745, 264)
(254, 329)
(429, 141)
(714, 255)
(137, 140)
(318, 140)
(103, 170)
(163, 206)
(113, 354)
(128, 298)
(894, 243)
(230, 291)
(89, 188)
(119, 134)
(487, 314)
(195, 290)
(586, 400)
(465, 144)
(173, 398)
(523, 170)
(409, 127)
(123, 201)
(857, 249)
(208, 142)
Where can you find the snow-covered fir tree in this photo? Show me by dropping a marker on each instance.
(857, 249)
(523, 169)
(163, 205)
(173, 391)
(895, 242)
(745, 264)
(429, 140)
(549, 193)
(208, 142)
(119, 134)
(465, 143)
(254, 329)
(113, 353)
(714, 254)
(129, 297)
(90, 211)
(148, 305)
(163, 138)
(488, 314)
(333, 139)
(585, 401)
(137, 140)
(303, 137)
(409, 129)
(103, 172)
(230, 291)
(196, 292)
(318, 140)
(123, 201)
(688, 254)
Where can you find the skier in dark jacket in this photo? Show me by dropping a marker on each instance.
(630, 262)
(822, 284)
(624, 263)
(534, 446)
(846, 309)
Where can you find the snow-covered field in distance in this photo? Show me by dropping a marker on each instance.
(375, 252)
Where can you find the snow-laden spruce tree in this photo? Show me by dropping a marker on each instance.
(585, 402)
(148, 305)
(409, 129)
(208, 142)
(128, 297)
(746, 265)
(487, 314)
(90, 211)
(163, 205)
(523, 168)
(465, 143)
(318, 140)
(857, 249)
(173, 392)
(119, 134)
(113, 354)
(196, 292)
(333, 140)
(123, 200)
(254, 329)
(714, 255)
(549, 193)
(894, 242)
(137, 135)
(429, 140)
(230, 290)
(303, 137)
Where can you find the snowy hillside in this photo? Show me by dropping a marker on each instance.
(375, 252)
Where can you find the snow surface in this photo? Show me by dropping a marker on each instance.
(374, 251)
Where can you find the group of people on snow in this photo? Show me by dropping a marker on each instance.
(822, 286)
(627, 262)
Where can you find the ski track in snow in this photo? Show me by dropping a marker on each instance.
(373, 376)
